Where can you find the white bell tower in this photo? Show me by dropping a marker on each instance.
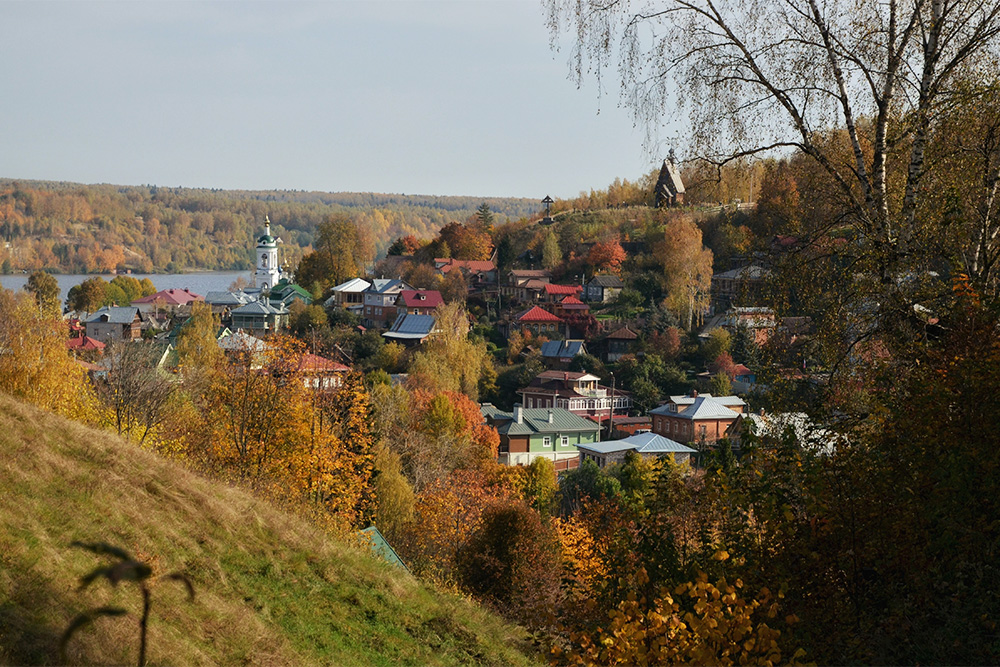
(268, 271)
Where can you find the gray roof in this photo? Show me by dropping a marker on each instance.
(114, 315)
(411, 327)
(259, 308)
(240, 341)
(643, 443)
(536, 420)
(380, 285)
(352, 285)
(228, 298)
(562, 348)
(706, 407)
(749, 272)
(606, 281)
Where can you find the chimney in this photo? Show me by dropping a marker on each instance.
(550, 416)
(518, 418)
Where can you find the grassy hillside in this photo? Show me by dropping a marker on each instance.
(270, 588)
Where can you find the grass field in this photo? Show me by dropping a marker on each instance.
(270, 589)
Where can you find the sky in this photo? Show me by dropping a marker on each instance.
(412, 96)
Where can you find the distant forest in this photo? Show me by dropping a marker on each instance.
(74, 228)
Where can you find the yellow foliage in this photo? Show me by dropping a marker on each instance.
(699, 623)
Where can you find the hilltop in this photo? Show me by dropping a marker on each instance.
(270, 588)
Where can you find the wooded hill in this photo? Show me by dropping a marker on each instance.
(269, 588)
(74, 228)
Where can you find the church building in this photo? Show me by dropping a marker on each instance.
(268, 271)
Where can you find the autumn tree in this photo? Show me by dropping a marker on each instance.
(45, 288)
(607, 256)
(450, 360)
(35, 365)
(687, 267)
(341, 252)
(134, 392)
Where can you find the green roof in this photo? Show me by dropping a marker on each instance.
(536, 420)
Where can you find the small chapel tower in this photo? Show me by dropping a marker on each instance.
(268, 271)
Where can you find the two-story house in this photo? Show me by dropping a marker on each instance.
(700, 418)
(349, 295)
(580, 393)
(114, 323)
(481, 274)
(526, 284)
(380, 302)
(418, 302)
(552, 433)
(259, 317)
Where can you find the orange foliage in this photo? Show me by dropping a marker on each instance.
(607, 256)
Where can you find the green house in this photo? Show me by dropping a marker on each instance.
(552, 433)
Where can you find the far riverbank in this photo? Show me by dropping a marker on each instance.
(199, 283)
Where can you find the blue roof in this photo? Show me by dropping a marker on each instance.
(562, 348)
(411, 327)
(381, 547)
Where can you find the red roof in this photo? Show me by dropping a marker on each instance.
(537, 314)
(444, 265)
(171, 297)
(412, 298)
(84, 343)
(623, 333)
(572, 301)
(740, 369)
(562, 289)
(311, 363)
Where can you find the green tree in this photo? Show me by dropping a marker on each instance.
(719, 341)
(484, 215)
(551, 254)
(45, 288)
(88, 296)
(540, 486)
(720, 385)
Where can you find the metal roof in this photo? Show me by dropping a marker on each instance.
(560, 349)
(642, 443)
(114, 315)
(411, 327)
(536, 420)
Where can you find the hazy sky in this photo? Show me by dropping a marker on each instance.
(416, 96)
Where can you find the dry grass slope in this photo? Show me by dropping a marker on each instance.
(270, 588)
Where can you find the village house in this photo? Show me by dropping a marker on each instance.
(481, 274)
(349, 295)
(603, 289)
(760, 320)
(167, 300)
(114, 323)
(224, 303)
(526, 284)
(646, 445)
(410, 329)
(259, 317)
(738, 286)
(700, 418)
(380, 302)
(618, 343)
(537, 321)
(579, 393)
(552, 293)
(321, 373)
(551, 433)
(418, 302)
(285, 292)
(560, 353)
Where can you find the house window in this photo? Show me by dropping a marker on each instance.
(704, 431)
(564, 441)
(546, 441)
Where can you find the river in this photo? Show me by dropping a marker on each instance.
(199, 283)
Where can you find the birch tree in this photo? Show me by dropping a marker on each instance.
(759, 76)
